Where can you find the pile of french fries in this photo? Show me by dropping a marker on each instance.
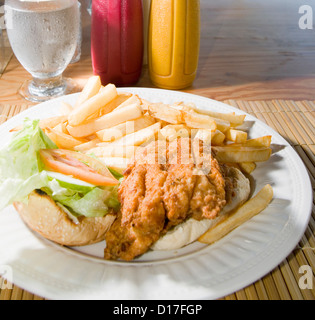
(112, 125)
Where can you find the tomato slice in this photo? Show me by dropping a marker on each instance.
(79, 166)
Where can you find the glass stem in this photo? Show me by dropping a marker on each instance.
(46, 84)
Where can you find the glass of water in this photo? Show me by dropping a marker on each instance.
(43, 36)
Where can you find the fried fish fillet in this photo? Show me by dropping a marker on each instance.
(165, 185)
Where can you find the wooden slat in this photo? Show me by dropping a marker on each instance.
(261, 290)
(5, 51)
(307, 245)
(301, 260)
(291, 283)
(17, 293)
(308, 105)
(230, 297)
(5, 110)
(241, 295)
(280, 284)
(271, 287)
(251, 293)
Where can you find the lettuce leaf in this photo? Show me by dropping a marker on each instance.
(20, 166)
(22, 171)
(93, 203)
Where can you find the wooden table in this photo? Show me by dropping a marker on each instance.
(254, 57)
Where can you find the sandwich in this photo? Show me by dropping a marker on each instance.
(65, 196)
(169, 195)
(172, 193)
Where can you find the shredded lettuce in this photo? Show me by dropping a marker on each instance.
(22, 171)
(20, 166)
(93, 203)
(86, 201)
(20, 158)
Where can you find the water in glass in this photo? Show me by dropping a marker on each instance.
(43, 36)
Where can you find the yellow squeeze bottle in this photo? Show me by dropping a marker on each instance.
(174, 42)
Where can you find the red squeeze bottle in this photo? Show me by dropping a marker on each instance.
(117, 42)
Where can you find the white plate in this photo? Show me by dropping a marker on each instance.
(195, 272)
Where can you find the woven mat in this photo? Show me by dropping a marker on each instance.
(295, 121)
(5, 51)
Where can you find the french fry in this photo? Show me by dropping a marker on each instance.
(116, 132)
(107, 121)
(205, 135)
(85, 146)
(45, 123)
(117, 164)
(247, 167)
(217, 138)
(144, 104)
(111, 151)
(264, 141)
(181, 133)
(58, 127)
(92, 105)
(131, 100)
(195, 120)
(103, 144)
(232, 154)
(180, 115)
(62, 140)
(91, 88)
(52, 122)
(236, 136)
(173, 126)
(165, 113)
(140, 137)
(182, 107)
(234, 119)
(209, 137)
(222, 125)
(61, 127)
(172, 132)
(109, 107)
(247, 211)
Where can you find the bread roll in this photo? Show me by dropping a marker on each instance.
(190, 230)
(44, 216)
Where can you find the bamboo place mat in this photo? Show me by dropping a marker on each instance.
(295, 121)
(5, 50)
